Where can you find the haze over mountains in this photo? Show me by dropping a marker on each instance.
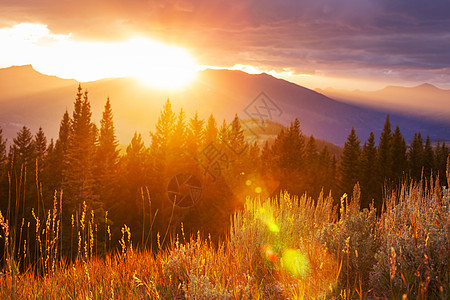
(33, 99)
(424, 100)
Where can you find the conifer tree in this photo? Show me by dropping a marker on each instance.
(349, 168)
(415, 157)
(288, 158)
(78, 179)
(40, 142)
(384, 157)
(3, 157)
(236, 139)
(428, 158)
(3, 173)
(57, 158)
(23, 147)
(159, 151)
(266, 158)
(398, 152)
(440, 155)
(160, 139)
(107, 157)
(178, 140)
(370, 186)
(311, 166)
(211, 130)
(326, 170)
(195, 135)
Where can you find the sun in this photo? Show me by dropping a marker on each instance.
(154, 63)
(161, 66)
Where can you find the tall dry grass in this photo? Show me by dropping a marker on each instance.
(283, 248)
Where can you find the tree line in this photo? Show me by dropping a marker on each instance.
(380, 168)
(83, 170)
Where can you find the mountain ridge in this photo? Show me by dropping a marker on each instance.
(222, 92)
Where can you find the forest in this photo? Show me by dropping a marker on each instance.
(80, 198)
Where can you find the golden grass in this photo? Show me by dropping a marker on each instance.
(282, 248)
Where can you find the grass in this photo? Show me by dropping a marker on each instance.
(282, 248)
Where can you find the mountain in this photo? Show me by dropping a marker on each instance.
(33, 99)
(425, 100)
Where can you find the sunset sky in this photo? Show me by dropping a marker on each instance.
(351, 44)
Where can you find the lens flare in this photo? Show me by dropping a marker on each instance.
(248, 182)
(258, 190)
(269, 254)
(295, 262)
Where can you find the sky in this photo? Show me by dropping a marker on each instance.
(350, 44)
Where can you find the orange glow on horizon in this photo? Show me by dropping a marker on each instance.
(153, 63)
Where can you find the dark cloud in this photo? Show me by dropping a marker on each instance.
(346, 36)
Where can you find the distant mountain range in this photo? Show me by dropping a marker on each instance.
(425, 100)
(33, 99)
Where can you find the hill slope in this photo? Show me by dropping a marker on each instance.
(40, 100)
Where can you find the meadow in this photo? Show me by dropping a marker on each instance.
(287, 247)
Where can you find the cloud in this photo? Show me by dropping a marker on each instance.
(326, 36)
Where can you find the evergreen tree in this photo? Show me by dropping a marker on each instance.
(23, 148)
(326, 170)
(78, 179)
(266, 158)
(160, 140)
(40, 142)
(107, 157)
(428, 158)
(236, 140)
(3, 157)
(370, 186)
(195, 135)
(440, 155)
(415, 157)
(384, 157)
(211, 130)
(349, 167)
(288, 158)
(311, 166)
(133, 177)
(57, 158)
(178, 140)
(399, 159)
(3, 174)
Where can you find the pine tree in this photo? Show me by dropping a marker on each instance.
(107, 157)
(384, 156)
(3, 174)
(211, 130)
(24, 148)
(349, 168)
(195, 135)
(266, 158)
(57, 158)
(326, 170)
(3, 157)
(399, 159)
(159, 151)
(160, 139)
(236, 140)
(415, 157)
(440, 155)
(178, 140)
(311, 166)
(78, 179)
(289, 158)
(428, 158)
(40, 142)
(370, 186)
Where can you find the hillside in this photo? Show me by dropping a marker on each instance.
(425, 100)
(33, 99)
